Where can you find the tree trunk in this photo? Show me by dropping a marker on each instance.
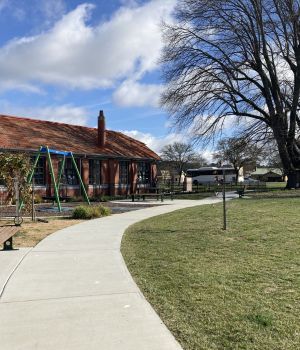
(236, 175)
(293, 179)
(290, 158)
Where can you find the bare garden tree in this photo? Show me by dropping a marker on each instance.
(177, 155)
(237, 59)
(238, 152)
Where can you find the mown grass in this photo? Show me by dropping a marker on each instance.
(215, 289)
(194, 196)
(274, 193)
(275, 184)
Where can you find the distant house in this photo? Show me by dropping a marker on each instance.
(268, 174)
(110, 162)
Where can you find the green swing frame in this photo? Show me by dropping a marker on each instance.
(56, 183)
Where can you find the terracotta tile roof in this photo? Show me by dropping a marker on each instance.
(30, 134)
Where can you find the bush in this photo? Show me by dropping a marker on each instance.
(90, 212)
(38, 199)
(99, 198)
(74, 199)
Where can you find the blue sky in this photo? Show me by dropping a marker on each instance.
(64, 60)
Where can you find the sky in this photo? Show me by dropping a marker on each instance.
(64, 60)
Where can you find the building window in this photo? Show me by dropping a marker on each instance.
(39, 171)
(143, 173)
(70, 175)
(94, 172)
(124, 173)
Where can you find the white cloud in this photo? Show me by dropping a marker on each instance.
(77, 55)
(35, 11)
(59, 113)
(131, 93)
(3, 4)
(208, 155)
(157, 143)
(154, 142)
(52, 9)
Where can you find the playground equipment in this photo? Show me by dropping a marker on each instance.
(56, 183)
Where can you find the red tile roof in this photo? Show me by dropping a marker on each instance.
(29, 134)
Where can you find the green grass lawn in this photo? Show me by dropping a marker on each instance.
(195, 196)
(215, 289)
(275, 184)
(274, 193)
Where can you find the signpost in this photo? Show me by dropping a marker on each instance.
(224, 201)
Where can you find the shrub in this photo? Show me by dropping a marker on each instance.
(74, 199)
(90, 212)
(104, 199)
(99, 198)
(38, 199)
(104, 211)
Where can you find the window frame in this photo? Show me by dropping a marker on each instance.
(39, 174)
(124, 173)
(69, 172)
(95, 171)
(144, 173)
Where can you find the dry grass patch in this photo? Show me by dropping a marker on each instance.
(31, 233)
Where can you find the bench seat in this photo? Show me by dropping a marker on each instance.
(143, 196)
(6, 236)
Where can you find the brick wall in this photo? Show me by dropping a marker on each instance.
(109, 179)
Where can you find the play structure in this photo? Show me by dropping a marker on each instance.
(56, 182)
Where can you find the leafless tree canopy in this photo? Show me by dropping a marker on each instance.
(178, 155)
(238, 152)
(236, 59)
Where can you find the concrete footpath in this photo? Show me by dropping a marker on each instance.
(73, 291)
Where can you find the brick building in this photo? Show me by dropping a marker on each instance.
(110, 162)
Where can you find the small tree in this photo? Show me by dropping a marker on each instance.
(177, 156)
(198, 162)
(238, 152)
(15, 166)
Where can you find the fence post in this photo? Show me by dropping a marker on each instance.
(32, 202)
(17, 195)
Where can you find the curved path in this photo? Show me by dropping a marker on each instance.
(73, 291)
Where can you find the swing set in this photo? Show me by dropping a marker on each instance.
(56, 183)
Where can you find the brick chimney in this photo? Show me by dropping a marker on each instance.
(101, 130)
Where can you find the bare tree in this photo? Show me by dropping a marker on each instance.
(272, 157)
(237, 59)
(238, 152)
(177, 156)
